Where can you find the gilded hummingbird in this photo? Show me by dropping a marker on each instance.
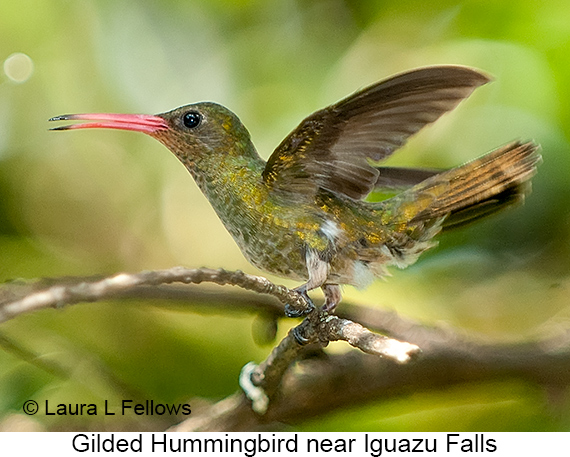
(302, 214)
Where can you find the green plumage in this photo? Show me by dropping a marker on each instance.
(302, 215)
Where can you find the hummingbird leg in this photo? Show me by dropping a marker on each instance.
(318, 270)
(333, 296)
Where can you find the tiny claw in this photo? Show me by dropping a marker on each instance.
(291, 311)
(299, 337)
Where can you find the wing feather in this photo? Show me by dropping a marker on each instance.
(332, 148)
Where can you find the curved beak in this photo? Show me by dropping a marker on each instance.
(135, 122)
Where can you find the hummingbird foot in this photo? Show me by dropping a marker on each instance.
(302, 331)
(291, 311)
(299, 335)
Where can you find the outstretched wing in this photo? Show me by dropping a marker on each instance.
(331, 148)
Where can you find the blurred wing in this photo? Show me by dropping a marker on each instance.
(331, 148)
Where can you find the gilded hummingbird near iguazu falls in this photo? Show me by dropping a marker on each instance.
(302, 214)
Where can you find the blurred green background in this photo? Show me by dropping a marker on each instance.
(106, 201)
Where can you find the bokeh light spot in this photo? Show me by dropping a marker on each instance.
(18, 67)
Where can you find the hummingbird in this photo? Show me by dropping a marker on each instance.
(303, 213)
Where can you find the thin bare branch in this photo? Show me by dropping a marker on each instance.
(372, 343)
(68, 292)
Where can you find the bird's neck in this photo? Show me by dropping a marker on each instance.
(232, 183)
(229, 179)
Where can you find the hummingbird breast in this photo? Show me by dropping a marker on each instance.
(271, 235)
(277, 235)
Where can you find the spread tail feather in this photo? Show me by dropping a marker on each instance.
(470, 191)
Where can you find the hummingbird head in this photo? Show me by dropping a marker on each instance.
(192, 132)
(200, 129)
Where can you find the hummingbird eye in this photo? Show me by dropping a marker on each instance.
(192, 119)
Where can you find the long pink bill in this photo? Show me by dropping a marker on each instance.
(135, 122)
